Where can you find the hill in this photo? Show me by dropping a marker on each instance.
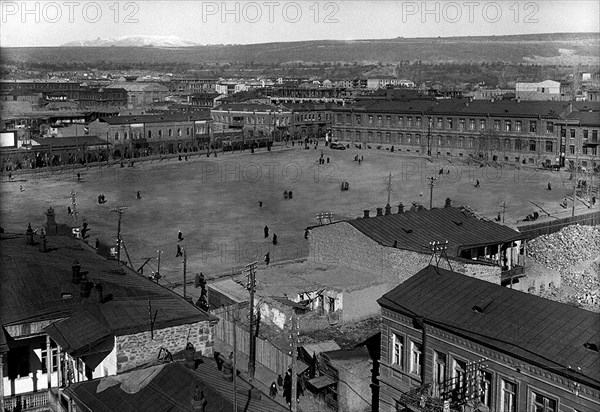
(557, 48)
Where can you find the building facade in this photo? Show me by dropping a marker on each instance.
(454, 343)
(500, 131)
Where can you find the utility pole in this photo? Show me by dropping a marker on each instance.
(158, 268)
(503, 210)
(429, 136)
(120, 211)
(294, 336)
(576, 178)
(251, 273)
(184, 272)
(233, 319)
(389, 190)
(431, 184)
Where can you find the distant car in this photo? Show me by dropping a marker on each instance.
(337, 146)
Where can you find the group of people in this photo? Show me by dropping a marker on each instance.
(101, 199)
(322, 159)
(359, 159)
(287, 194)
(286, 384)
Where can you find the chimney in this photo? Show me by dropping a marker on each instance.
(51, 226)
(85, 287)
(43, 245)
(388, 209)
(448, 202)
(366, 212)
(379, 211)
(400, 208)
(395, 243)
(29, 235)
(98, 293)
(76, 267)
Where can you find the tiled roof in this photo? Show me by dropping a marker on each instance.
(537, 330)
(248, 107)
(415, 230)
(586, 118)
(33, 284)
(71, 141)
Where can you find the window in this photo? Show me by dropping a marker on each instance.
(594, 136)
(415, 358)
(572, 149)
(408, 138)
(170, 132)
(507, 144)
(518, 125)
(400, 121)
(461, 141)
(409, 121)
(549, 146)
(439, 372)
(461, 124)
(348, 119)
(125, 135)
(358, 119)
(419, 122)
(54, 350)
(449, 123)
(532, 145)
(497, 125)
(187, 131)
(418, 139)
(178, 132)
(379, 120)
(533, 126)
(331, 304)
(160, 133)
(572, 133)
(370, 119)
(459, 377)
(471, 124)
(338, 118)
(549, 127)
(116, 135)
(440, 123)
(471, 142)
(398, 350)
(507, 126)
(388, 120)
(149, 134)
(508, 401)
(485, 388)
(482, 124)
(388, 137)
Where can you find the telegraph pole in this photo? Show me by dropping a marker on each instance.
(576, 178)
(503, 210)
(74, 204)
(251, 273)
(120, 211)
(184, 272)
(431, 184)
(294, 344)
(158, 268)
(388, 208)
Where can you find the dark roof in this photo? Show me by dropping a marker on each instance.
(169, 387)
(33, 282)
(586, 118)
(158, 118)
(71, 141)
(415, 230)
(248, 107)
(498, 107)
(537, 330)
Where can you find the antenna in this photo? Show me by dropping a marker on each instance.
(324, 217)
(439, 247)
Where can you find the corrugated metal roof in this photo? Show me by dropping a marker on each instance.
(415, 230)
(32, 284)
(537, 330)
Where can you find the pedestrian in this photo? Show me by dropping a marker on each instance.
(267, 258)
(99, 199)
(287, 388)
(78, 176)
(362, 158)
(259, 203)
(266, 230)
(274, 239)
(327, 160)
(180, 236)
(285, 194)
(549, 186)
(10, 176)
(305, 233)
(218, 360)
(179, 251)
(477, 183)
(97, 243)
(280, 381)
(69, 210)
(273, 390)
(138, 196)
(21, 188)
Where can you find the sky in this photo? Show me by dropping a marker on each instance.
(53, 23)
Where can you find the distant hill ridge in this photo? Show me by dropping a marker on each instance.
(550, 48)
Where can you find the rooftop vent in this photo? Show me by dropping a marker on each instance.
(482, 306)
(457, 223)
(407, 230)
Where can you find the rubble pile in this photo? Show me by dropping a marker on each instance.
(574, 253)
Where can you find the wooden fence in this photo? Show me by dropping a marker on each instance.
(551, 226)
(270, 356)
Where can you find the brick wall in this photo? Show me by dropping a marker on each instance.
(137, 349)
(342, 244)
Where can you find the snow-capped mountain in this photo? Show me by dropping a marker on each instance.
(133, 41)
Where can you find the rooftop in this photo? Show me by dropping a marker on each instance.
(550, 334)
(158, 118)
(415, 230)
(35, 287)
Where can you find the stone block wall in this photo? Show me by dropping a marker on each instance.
(340, 243)
(139, 348)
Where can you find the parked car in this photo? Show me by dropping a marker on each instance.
(337, 146)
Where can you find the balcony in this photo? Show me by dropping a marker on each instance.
(30, 401)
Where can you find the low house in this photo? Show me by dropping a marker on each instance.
(453, 342)
(69, 315)
(395, 246)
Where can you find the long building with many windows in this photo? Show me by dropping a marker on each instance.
(525, 132)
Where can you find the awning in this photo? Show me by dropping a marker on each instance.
(321, 382)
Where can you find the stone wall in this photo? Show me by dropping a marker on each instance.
(137, 349)
(342, 244)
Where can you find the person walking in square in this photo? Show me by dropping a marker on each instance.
(266, 230)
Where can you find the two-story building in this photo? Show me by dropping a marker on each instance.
(140, 95)
(455, 343)
(502, 130)
(156, 133)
